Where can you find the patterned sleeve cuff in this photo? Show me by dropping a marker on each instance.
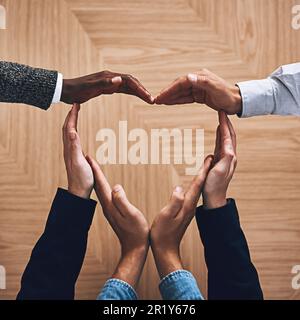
(180, 285)
(115, 289)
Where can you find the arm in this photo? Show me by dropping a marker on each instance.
(167, 232)
(231, 274)
(279, 94)
(132, 230)
(39, 87)
(24, 84)
(57, 258)
(58, 255)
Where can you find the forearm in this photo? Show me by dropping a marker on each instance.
(167, 261)
(23, 84)
(57, 257)
(231, 274)
(130, 266)
(278, 95)
(125, 279)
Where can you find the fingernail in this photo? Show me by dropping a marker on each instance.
(116, 80)
(178, 189)
(192, 77)
(117, 188)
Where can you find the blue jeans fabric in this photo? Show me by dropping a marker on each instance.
(178, 285)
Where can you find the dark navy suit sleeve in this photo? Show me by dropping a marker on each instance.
(231, 274)
(57, 257)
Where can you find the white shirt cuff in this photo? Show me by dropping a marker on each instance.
(58, 89)
(258, 97)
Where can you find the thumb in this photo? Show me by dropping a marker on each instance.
(176, 202)
(121, 202)
(193, 194)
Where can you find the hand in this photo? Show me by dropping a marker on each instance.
(79, 172)
(203, 87)
(220, 175)
(170, 225)
(80, 90)
(128, 223)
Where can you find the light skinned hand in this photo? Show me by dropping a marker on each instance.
(79, 172)
(202, 87)
(225, 161)
(172, 222)
(80, 90)
(128, 223)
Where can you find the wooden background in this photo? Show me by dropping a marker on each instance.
(156, 41)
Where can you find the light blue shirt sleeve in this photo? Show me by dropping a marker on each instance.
(279, 94)
(115, 289)
(180, 285)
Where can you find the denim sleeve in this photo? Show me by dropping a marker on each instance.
(180, 285)
(115, 289)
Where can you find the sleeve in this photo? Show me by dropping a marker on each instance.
(57, 257)
(180, 285)
(231, 274)
(115, 289)
(23, 84)
(279, 94)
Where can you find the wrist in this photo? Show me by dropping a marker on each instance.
(131, 265)
(67, 89)
(167, 261)
(214, 202)
(85, 194)
(237, 100)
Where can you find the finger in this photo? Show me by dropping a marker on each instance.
(65, 126)
(121, 202)
(134, 87)
(193, 194)
(73, 119)
(179, 87)
(180, 101)
(175, 204)
(233, 135)
(102, 186)
(72, 146)
(226, 140)
(217, 145)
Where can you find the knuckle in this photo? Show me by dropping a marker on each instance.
(218, 171)
(235, 161)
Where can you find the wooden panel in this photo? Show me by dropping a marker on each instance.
(156, 41)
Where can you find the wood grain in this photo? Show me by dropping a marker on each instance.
(156, 41)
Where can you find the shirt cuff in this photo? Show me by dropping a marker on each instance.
(180, 285)
(115, 289)
(222, 221)
(258, 97)
(58, 89)
(68, 207)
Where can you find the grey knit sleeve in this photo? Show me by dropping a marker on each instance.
(24, 84)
